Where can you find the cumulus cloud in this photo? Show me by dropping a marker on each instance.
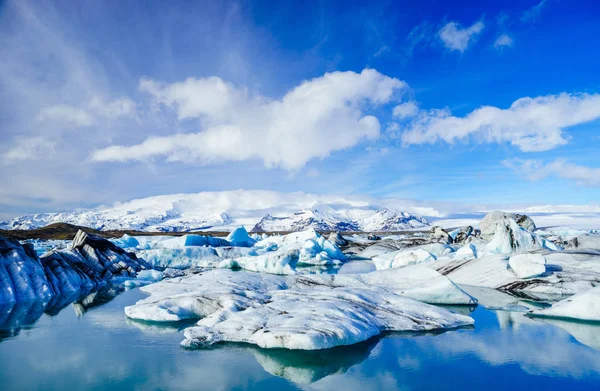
(28, 148)
(536, 170)
(312, 120)
(531, 124)
(503, 41)
(406, 110)
(458, 38)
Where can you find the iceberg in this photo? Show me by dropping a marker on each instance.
(582, 306)
(490, 222)
(320, 319)
(302, 311)
(528, 265)
(239, 237)
(567, 273)
(192, 240)
(509, 237)
(87, 264)
(21, 273)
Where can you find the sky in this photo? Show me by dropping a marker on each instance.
(463, 101)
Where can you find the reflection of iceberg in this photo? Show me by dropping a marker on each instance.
(159, 328)
(586, 333)
(97, 298)
(493, 299)
(13, 317)
(305, 367)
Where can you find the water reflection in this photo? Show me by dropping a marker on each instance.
(16, 316)
(98, 347)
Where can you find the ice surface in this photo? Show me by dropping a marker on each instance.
(582, 306)
(528, 265)
(509, 237)
(489, 224)
(192, 240)
(567, 273)
(274, 254)
(311, 319)
(21, 273)
(239, 237)
(302, 312)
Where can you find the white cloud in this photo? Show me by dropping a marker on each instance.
(406, 110)
(531, 124)
(533, 13)
(317, 117)
(536, 170)
(122, 107)
(503, 41)
(66, 114)
(28, 149)
(89, 115)
(457, 38)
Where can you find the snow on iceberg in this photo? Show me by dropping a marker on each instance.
(528, 265)
(582, 306)
(311, 319)
(302, 311)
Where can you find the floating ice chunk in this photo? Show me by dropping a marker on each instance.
(567, 273)
(528, 265)
(203, 294)
(412, 257)
(193, 256)
(193, 240)
(281, 261)
(492, 220)
(468, 251)
(145, 277)
(510, 237)
(311, 319)
(582, 306)
(239, 237)
(126, 241)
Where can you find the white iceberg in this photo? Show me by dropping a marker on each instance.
(528, 265)
(567, 273)
(582, 306)
(321, 318)
(509, 237)
(302, 311)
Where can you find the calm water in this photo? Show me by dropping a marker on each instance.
(92, 345)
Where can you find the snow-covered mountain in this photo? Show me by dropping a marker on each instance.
(342, 220)
(229, 209)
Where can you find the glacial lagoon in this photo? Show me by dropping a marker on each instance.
(91, 344)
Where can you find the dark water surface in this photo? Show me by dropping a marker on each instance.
(91, 345)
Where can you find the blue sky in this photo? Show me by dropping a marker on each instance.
(107, 101)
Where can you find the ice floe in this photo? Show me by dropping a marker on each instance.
(302, 311)
(528, 265)
(582, 306)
